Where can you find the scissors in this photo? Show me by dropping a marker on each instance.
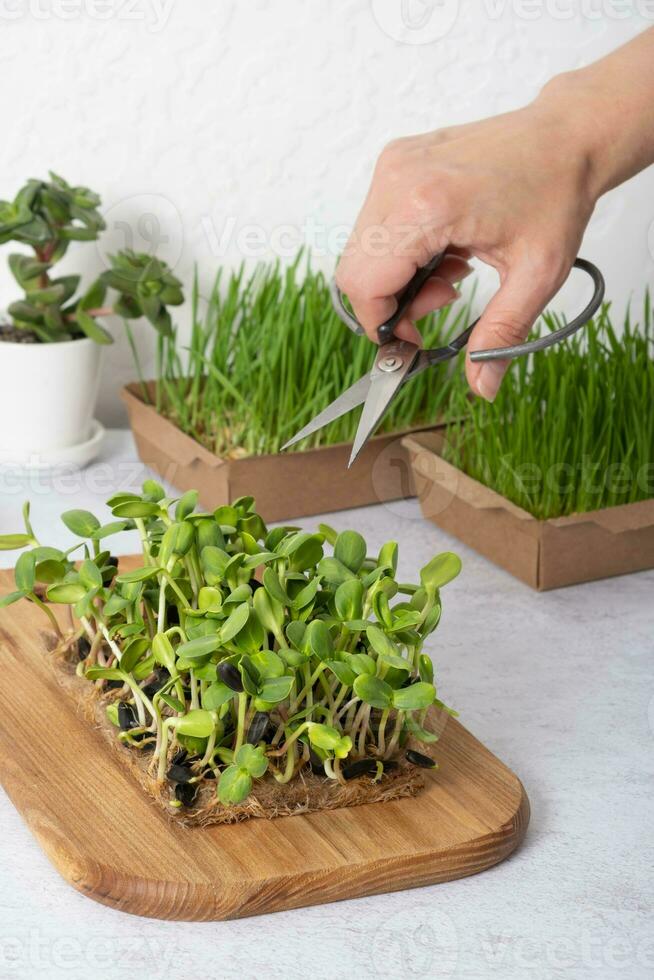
(398, 361)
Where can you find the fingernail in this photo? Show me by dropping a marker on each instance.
(490, 379)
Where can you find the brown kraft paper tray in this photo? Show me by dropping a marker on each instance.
(544, 554)
(285, 485)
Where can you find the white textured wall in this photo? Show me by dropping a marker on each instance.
(216, 115)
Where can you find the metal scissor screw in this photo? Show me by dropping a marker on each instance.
(390, 363)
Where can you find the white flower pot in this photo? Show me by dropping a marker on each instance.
(47, 399)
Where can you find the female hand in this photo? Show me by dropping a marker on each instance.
(516, 191)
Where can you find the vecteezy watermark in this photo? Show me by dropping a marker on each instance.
(31, 951)
(415, 944)
(147, 223)
(396, 477)
(153, 14)
(254, 241)
(426, 21)
(605, 950)
(68, 480)
(415, 21)
(587, 475)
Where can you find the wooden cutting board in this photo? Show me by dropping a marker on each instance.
(110, 842)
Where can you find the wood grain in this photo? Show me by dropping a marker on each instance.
(109, 841)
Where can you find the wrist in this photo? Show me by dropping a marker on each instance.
(584, 128)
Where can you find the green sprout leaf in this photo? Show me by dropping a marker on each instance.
(104, 674)
(198, 649)
(81, 522)
(216, 695)
(275, 689)
(350, 550)
(133, 653)
(330, 740)
(349, 600)
(10, 598)
(440, 570)
(197, 723)
(66, 593)
(186, 505)
(25, 572)
(373, 691)
(234, 623)
(90, 575)
(252, 758)
(234, 786)
(419, 695)
(135, 508)
(318, 639)
(137, 575)
(334, 571)
(12, 542)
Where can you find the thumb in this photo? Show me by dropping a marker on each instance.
(507, 320)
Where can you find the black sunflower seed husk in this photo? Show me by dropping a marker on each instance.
(258, 727)
(362, 767)
(113, 685)
(160, 676)
(418, 759)
(316, 763)
(179, 774)
(179, 757)
(83, 647)
(390, 765)
(230, 676)
(112, 560)
(186, 793)
(172, 615)
(127, 717)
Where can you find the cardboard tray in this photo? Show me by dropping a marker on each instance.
(285, 485)
(544, 554)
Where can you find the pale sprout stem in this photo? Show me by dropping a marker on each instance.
(397, 731)
(364, 730)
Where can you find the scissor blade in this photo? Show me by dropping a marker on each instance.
(349, 399)
(384, 385)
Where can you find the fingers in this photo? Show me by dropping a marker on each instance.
(508, 318)
(372, 287)
(439, 290)
(371, 311)
(407, 330)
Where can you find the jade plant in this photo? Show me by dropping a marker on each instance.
(47, 216)
(236, 653)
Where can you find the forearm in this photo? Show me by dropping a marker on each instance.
(612, 108)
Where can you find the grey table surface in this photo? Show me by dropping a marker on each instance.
(559, 685)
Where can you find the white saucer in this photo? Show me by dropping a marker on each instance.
(69, 456)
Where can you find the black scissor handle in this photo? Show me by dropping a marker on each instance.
(541, 343)
(386, 331)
